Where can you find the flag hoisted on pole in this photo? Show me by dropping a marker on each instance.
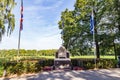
(92, 30)
(92, 22)
(21, 20)
(20, 29)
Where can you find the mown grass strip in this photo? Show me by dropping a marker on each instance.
(52, 57)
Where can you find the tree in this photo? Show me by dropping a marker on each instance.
(6, 17)
(76, 27)
(110, 27)
(116, 17)
(75, 31)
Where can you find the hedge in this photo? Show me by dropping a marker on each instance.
(37, 65)
(90, 63)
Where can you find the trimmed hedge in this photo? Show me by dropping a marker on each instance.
(37, 65)
(22, 67)
(90, 63)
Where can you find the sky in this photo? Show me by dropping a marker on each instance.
(40, 25)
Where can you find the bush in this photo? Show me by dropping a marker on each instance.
(107, 63)
(1, 71)
(22, 67)
(32, 66)
(90, 63)
(85, 63)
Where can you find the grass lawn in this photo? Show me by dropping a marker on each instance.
(103, 57)
(78, 57)
(52, 57)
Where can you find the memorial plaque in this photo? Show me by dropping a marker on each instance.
(61, 53)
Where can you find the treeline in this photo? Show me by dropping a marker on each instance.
(28, 52)
(13, 53)
(75, 26)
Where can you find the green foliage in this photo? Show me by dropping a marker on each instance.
(107, 63)
(14, 67)
(11, 55)
(22, 67)
(25, 66)
(90, 63)
(6, 16)
(33, 66)
(76, 29)
(1, 70)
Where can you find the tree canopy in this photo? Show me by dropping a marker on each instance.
(6, 17)
(75, 26)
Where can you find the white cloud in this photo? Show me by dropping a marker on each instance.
(54, 6)
(8, 43)
(31, 8)
(41, 7)
(40, 30)
(51, 42)
(38, 1)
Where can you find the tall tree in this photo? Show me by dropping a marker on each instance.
(6, 17)
(76, 27)
(116, 20)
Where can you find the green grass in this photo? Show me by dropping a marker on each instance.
(91, 57)
(52, 57)
(78, 57)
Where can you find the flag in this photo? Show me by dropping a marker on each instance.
(62, 23)
(21, 19)
(92, 23)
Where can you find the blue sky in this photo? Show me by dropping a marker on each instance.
(40, 30)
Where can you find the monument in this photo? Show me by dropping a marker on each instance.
(62, 59)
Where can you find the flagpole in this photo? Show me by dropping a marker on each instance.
(62, 31)
(19, 44)
(20, 28)
(92, 29)
(94, 45)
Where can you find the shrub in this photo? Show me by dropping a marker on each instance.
(32, 66)
(1, 71)
(90, 63)
(22, 67)
(106, 63)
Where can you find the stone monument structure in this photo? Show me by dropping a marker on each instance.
(62, 59)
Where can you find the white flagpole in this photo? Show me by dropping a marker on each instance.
(94, 39)
(94, 47)
(19, 45)
(20, 30)
(62, 31)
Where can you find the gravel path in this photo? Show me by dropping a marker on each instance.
(102, 74)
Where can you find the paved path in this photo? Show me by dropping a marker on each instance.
(102, 74)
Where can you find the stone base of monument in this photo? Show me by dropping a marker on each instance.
(64, 63)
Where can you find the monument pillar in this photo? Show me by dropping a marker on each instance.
(62, 59)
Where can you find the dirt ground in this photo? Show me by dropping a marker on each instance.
(101, 74)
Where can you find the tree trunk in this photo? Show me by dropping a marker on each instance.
(97, 45)
(96, 38)
(115, 50)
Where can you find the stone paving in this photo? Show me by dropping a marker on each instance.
(101, 74)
